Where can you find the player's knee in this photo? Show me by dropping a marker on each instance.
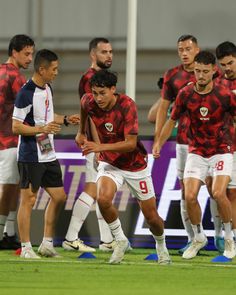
(217, 195)
(190, 197)
(32, 200)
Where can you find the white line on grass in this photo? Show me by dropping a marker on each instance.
(174, 264)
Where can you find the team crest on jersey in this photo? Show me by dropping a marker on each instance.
(204, 111)
(109, 127)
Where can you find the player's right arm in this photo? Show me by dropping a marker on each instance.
(81, 135)
(161, 115)
(165, 134)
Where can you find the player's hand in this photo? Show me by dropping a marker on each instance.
(90, 147)
(156, 150)
(51, 128)
(79, 139)
(73, 119)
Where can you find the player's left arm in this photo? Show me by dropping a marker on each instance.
(125, 146)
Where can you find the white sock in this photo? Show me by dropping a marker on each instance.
(228, 231)
(216, 218)
(80, 212)
(116, 230)
(3, 219)
(198, 232)
(186, 221)
(105, 232)
(10, 224)
(26, 245)
(160, 241)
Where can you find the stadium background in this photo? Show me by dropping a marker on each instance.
(67, 27)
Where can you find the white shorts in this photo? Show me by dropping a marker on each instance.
(9, 173)
(232, 183)
(199, 167)
(181, 158)
(139, 182)
(91, 168)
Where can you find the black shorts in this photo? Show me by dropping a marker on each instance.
(46, 174)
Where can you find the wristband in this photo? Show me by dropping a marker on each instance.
(65, 121)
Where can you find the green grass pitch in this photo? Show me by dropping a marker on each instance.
(135, 275)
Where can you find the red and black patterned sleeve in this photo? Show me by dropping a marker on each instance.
(178, 108)
(131, 117)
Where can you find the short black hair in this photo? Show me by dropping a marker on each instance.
(205, 57)
(187, 37)
(44, 57)
(94, 42)
(225, 49)
(19, 42)
(103, 78)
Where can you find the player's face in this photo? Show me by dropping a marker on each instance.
(228, 65)
(104, 97)
(187, 50)
(203, 73)
(49, 73)
(24, 57)
(103, 55)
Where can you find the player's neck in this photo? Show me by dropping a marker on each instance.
(203, 89)
(38, 80)
(188, 68)
(12, 61)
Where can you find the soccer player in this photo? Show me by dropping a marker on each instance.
(122, 158)
(101, 55)
(35, 121)
(174, 80)
(211, 109)
(20, 52)
(226, 55)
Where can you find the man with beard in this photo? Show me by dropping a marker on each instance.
(101, 55)
(210, 108)
(20, 55)
(226, 55)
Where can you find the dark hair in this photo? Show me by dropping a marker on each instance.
(19, 42)
(225, 49)
(187, 37)
(94, 42)
(44, 57)
(205, 57)
(103, 78)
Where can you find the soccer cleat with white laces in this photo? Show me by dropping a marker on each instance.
(193, 249)
(47, 250)
(119, 251)
(77, 245)
(28, 253)
(163, 255)
(230, 250)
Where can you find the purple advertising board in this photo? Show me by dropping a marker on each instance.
(167, 191)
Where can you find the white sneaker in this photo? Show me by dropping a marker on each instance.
(193, 249)
(28, 253)
(107, 247)
(77, 245)
(230, 250)
(163, 256)
(47, 250)
(119, 251)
